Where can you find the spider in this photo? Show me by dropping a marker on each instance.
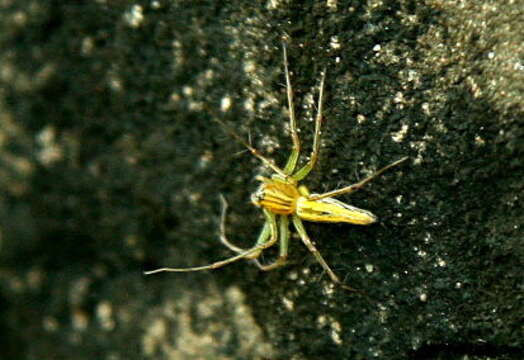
(281, 197)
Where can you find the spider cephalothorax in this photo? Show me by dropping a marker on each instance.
(281, 198)
(277, 196)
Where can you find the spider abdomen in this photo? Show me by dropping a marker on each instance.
(276, 196)
(332, 210)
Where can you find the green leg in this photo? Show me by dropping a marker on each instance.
(253, 253)
(262, 238)
(284, 243)
(304, 171)
(293, 158)
(307, 241)
(263, 242)
(216, 265)
(223, 237)
(264, 235)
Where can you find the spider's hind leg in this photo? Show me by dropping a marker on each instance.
(309, 244)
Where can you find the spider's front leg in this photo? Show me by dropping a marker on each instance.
(268, 229)
(283, 224)
(283, 246)
(253, 253)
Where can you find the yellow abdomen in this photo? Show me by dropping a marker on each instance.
(332, 210)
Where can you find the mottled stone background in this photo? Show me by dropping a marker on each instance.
(110, 164)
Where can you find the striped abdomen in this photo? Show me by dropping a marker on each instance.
(332, 210)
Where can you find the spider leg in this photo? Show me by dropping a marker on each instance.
(307, 241)
(268, 162)
(253, 253)
(223, 237)
(215, 265)
(295, 151)
(283, 245)
(304, 171)
(351, 188)
(268, 231)
(284, 237)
